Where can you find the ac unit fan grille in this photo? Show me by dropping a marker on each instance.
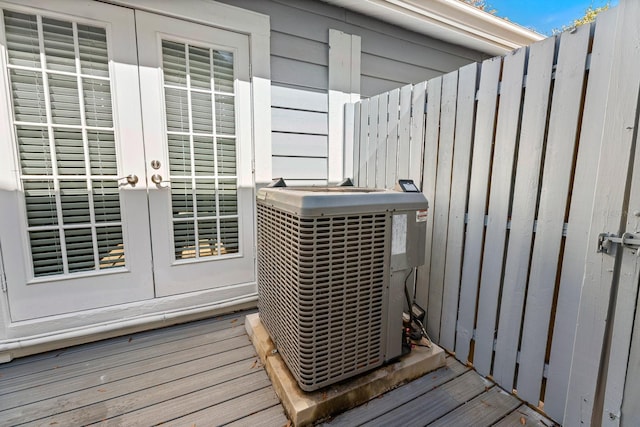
(322, 288)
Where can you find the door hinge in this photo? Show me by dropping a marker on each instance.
(606, 242)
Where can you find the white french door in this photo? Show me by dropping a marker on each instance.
(194, 82)
(123, 173)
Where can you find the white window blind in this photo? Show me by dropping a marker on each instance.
(200, 117)
(61, 95)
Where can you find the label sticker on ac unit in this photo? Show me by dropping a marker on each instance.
(399, 235)
(421, 216)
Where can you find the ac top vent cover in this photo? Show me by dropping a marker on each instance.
(323, 277)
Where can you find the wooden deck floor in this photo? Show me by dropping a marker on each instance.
(207, 373)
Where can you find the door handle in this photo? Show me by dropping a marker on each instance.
(157, 180)
(132, 179)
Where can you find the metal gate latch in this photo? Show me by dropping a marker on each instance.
(607, 240)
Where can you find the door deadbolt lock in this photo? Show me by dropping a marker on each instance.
(155, 164)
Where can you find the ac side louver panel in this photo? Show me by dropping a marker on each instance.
(322, 289)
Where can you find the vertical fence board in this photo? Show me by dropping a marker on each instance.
(430, 162)
(563, 121)
(481, 163)
(364, 143)
(417, 131)
(351, 139)
(617, 139)
(373, 141)
(442, 197)
(499, 197)
(525, 194)
(465, 113)
(391, 169)
(576, 245)
(381, 148)
(404, 131)
(625, 308)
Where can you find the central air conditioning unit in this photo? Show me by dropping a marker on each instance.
(332, 267)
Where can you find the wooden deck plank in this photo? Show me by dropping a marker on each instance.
(57, 373)
(216, 383)
(273, 416)
(100, 349)
(524, 416)
(390, 400)
(436, 403)
(233, 410)
(214, 365)
(484, 410)
(152, 411)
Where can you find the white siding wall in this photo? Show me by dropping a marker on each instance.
(391, 57)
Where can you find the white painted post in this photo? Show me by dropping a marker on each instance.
(344, 87)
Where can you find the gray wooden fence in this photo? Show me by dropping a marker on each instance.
(525, 160)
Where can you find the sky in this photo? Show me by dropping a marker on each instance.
(544, 15)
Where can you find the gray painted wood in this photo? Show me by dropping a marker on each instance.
(441, 204)
(434, 404)
(234, 410)
(508, 123)
(71, 371)
(384, 68)
(197, 395)
(364, 144)
(465, 113)
(298, 48)
(273, 416)
(576, 244)
(381, 141)
(371, 86)
(484, 410)
(428, 186)
(298, 145)
(296, 121)
(372, 145)
(300, 167)
(556, 176)
(414, 391)
(480, 166)
(299, 99)
(525, 196)
(417, 131)
(215, 383)
(404, 131)
(91, 393)
(391, 168)
(285, 71)
(524, 416)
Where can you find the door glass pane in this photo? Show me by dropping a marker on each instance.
(201, 122)
(62, 111)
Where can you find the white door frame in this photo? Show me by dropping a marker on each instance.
(22, 338)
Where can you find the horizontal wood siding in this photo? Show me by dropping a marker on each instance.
(391, 58)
